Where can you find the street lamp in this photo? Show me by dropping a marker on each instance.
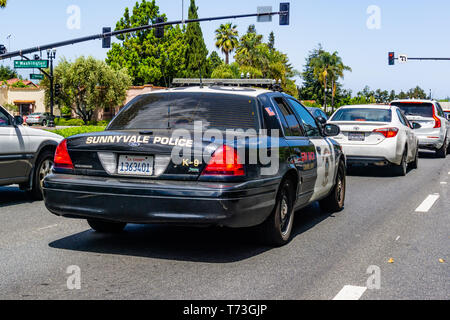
(51, 55)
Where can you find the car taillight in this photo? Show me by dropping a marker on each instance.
(224, 162)
(387, 132)
(437, 121)
(62, 157)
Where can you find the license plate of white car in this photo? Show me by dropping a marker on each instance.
(356, 136)
(135, 165)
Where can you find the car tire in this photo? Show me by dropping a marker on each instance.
(45, 123)
(442, 152)
(42, 168)
(276, 230)
(402, 168)
(415, 163)
(106, 227)
(334, 202)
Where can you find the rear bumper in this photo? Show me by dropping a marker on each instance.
(384, 153)
(367, 161)
(167, 202)
(430, 139)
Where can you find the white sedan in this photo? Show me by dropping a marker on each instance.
(377, 135)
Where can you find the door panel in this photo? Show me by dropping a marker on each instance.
(14, 161)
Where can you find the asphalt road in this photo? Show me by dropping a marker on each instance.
(379, 227)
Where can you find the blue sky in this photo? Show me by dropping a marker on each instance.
(416, 28)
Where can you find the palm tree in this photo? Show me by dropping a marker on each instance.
(321, 66)
(336, 72)
(327, 66)
(227, 39)
(3, 3)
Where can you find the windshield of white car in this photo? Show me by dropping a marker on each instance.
(363, 114)
(416, 109)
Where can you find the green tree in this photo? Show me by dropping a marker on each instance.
(271, 43)
(7, 73)
(88, 85)
(148, 59)
(196, 53)
(227, 39)
(214, 61)
(3, 3)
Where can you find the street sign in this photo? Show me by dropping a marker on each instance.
(36, 76)
(403, 58)
(30, 64)
(264, 10)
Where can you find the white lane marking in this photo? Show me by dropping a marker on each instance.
(350, 293)
(48, 227)
(428, 203)
(397, 238)
(443, 182)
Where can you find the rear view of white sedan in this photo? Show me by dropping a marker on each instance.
(377, 135)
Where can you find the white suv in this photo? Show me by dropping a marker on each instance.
(26, 155)
(434, 131)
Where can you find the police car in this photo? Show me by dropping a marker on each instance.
(214, 154)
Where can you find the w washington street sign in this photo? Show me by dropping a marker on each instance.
(30, 64)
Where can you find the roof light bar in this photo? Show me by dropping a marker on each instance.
(265, 83)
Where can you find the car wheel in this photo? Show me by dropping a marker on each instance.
(415, 163)
(442, 152)
(43, 168)
(44, 123)
(276, 230)
(106, 227)
(336, 199)
(402, 169)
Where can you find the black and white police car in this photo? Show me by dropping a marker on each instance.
(212, 154)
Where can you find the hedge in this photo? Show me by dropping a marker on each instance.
(68, 132)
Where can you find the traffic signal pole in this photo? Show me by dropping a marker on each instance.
(21, 53)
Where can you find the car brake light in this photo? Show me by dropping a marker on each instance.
(62, 157)
(387, 132)
(224, 162)
(437, 121)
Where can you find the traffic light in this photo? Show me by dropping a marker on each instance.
(106, 42)
(2, 49)
(284, 18)
(391, 56)
(57, 90)
(159, 31)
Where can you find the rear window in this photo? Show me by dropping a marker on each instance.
(363, 114)
(416, 109)
(178, 110)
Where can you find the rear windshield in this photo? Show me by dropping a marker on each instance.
(179, 110)
(416, 109)
(363, 114)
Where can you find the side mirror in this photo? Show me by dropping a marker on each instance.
(416, 125)
(331, 130)
(321, 120)
(18, 120)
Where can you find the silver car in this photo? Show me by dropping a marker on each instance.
(435, 128)
(26, 154)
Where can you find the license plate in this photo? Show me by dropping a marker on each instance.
(135, 165)
(356, 136)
